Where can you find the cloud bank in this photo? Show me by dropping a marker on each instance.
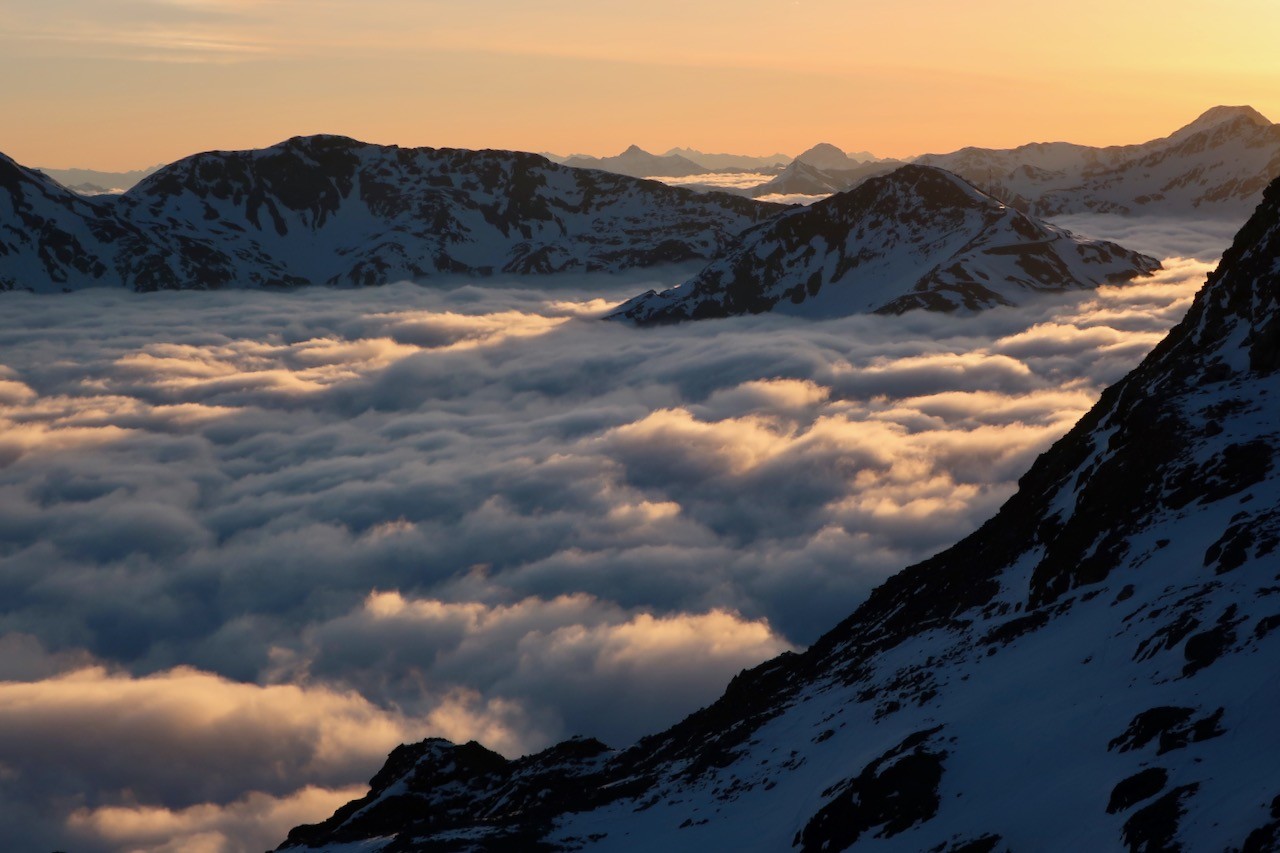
(251, 541)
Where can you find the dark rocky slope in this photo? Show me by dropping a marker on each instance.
(1093, 669)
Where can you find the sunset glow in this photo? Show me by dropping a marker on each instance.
(127, 85)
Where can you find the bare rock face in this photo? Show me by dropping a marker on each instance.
(330, 210)
(1094, 666)
(919, 237)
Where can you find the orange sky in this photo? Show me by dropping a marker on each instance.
(118, 84)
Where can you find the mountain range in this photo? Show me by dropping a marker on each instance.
(683, 162)
(94, 181)
(1092, 669)
(730, 162)
(327, 209)
(638, 163)
(919, 237)
(1217, 165)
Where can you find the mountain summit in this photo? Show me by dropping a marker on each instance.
(826, 156)
(1093, 669)
(918, 237)
(1217, 116)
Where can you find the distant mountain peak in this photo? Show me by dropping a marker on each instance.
(1221, 115)
(824, 155)
(635, 149)
(824, 148)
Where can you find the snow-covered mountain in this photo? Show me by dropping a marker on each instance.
(327, 209)
(1093, 669)
(919, 237)
(638, 163)
(1217, 165)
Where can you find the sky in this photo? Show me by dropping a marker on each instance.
(251, 541)
(126, 84)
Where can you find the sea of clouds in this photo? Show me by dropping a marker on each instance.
(251, 541)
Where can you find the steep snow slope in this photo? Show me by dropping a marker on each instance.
(1216, 165)
(330, 210)
(1093, 669)
(916, 238)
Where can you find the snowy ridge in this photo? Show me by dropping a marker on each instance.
(1093, 669)
(919, 237)
(1217, 165)
(330, 210)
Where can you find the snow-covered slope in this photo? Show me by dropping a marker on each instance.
(917, 238)
(1217, 165)
(327, 209)
(638, 163)
(1094, 669)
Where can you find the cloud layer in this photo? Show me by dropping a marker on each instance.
(251, 541)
